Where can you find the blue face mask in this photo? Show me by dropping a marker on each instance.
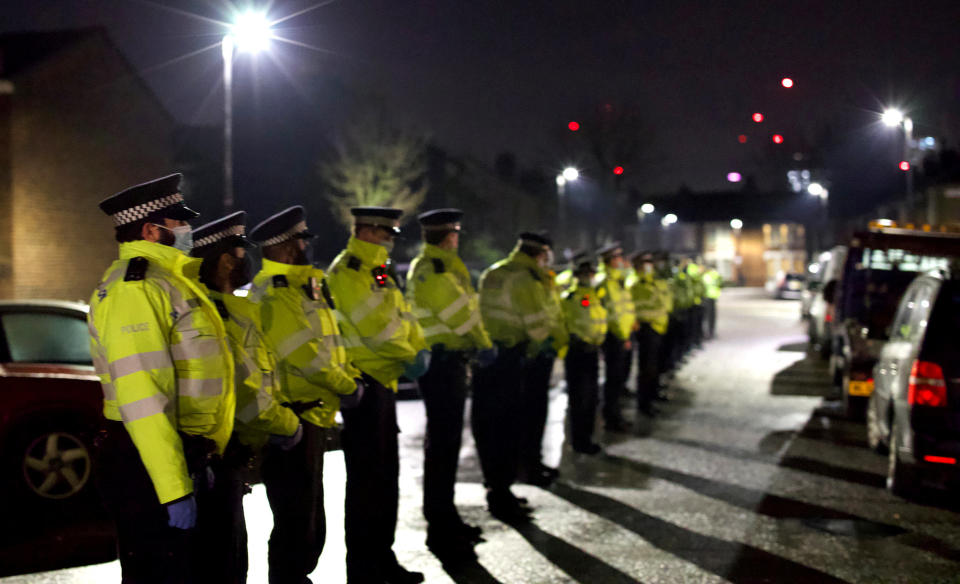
(182, 237)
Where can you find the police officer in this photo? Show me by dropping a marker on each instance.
(538, 370)
(586, 319)
(620, 318)
(682, 288)
(384, 342)
(650, 302)
(446, 306)
(695, 272)
(160, 349)
(222, 245)
(712, 283)
(513, 304)
(297, 314)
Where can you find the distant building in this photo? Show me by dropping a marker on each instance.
(76, 125)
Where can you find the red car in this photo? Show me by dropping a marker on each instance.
(50, 401)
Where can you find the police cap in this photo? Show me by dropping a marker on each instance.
(535, 239)
(159, 197)
(440, 220)
(386, 217)
(286, 225)
(610, 250)
(582, 260)
(229, 231)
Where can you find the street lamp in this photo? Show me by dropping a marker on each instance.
(736, 224)
(569, 174)
(249, 34)
(893, 118)
(647, 208)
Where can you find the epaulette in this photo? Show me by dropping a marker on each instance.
(136, 269)
(279, 281)
(354, 263)
(309, 291)
(438, 266)
(325, 290)
(222, 309)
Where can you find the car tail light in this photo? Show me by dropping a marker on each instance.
(927, 386)
(828, 317)
(940, 459)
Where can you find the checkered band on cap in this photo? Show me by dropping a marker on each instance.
(286, 235)
(375, 220)
(138, 212)
(220, 235)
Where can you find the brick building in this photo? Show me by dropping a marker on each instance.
(76, 124)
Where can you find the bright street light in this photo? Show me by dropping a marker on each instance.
(668, 219)
(891, 117)
(815, 189)
(251, 32)
(570, 173)
(736, 224)
(647, 208)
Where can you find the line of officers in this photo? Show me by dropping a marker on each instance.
(197, 380)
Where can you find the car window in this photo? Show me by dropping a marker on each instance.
(901, 322)
(46, 337)
(920, 315)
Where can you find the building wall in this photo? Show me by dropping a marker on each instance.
(84, 126)
(6, 195)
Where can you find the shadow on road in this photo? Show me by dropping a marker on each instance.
(800, 347)
(808, 376)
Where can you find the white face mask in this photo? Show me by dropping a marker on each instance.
(182, 237)
(647, 268)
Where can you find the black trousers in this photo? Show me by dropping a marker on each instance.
(495, 416)
(581, 368)
(149, 550)
(444, 391)
(668, 347)
(370, 449)
(294, 482)
(710, 316)
(533, 410)
(222, 526)
(614, 354)
(697, 324)
(648, 365)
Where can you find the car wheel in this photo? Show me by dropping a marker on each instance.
(902, 479)
(874, 437)
(52, 464)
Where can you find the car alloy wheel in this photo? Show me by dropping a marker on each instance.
(56, 465)
(901, 478)
(874, 439)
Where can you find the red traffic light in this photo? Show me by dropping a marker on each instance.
(742, 138)
(757, 117)
(777, 139)
(904, 165)
(574, 126)
(618, 170)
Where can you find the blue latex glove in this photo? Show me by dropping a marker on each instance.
(486, 357)
(183, 513)
(353, 400)
(285, 443)
(416, 369)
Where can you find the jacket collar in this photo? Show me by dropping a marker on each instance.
(518, 257)
(272, 268)
(370, 254)
(169, 258)
(434, 251)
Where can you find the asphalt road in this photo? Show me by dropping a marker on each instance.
(747, 476)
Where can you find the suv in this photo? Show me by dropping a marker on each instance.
(821, 309)
(914, 408)
(880, 265)
(50, 401)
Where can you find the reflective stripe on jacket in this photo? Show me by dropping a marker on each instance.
(160, 349)
(712, 282)
(444, 301)
(514, 303)
(259, 413)
(584, 315)
(382, 335)
(650, 302)
(696, 281)
(616, 300)
(301, 329)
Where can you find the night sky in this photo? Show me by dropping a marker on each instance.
(483, 77)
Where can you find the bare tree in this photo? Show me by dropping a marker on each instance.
(375, 163)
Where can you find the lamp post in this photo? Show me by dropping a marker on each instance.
(569, 174)
(250, 33)
(894, 118)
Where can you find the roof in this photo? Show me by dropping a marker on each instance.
(19, 51)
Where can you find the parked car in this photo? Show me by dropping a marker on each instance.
(789, 286)
(50, 402)
(913, 410)
(880, 265)
(821, 302)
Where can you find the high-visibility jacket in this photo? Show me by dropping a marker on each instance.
(649, 295)
(584, 314)
(564, 279)
(444, 301)
(259, 413)
(617, 301)
(712, 282)
(513, 303)
(682, 286)
(381, 333)
(560, 334)
(301, 329)
(696, 280)
(160, 349)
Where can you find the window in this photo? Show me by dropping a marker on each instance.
(46, 337)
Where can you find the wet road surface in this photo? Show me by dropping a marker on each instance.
(747, 476)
